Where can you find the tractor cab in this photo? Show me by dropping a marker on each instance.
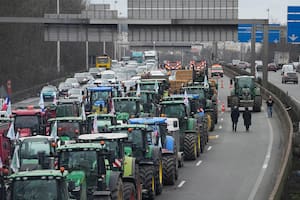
(67, 129)
(36, 152)
(127, 107)
(99, 99)
(103, 121)
(29, 121)
(68, 108)
(5, 143)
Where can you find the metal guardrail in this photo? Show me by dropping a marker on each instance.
(282, 100)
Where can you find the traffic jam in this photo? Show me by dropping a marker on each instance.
(121, 130)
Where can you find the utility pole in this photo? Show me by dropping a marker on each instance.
(253, 54)
(266, 54)
(58, 41)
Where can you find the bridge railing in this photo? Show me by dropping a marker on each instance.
(285, 107)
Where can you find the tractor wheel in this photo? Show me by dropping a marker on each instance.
(202, 143)
(169, 170)
(190, 147)
(148, 180)
(129, 191)
(212, 122)
(198, 145)
(117, 193)
(257, 104)
(234, 101)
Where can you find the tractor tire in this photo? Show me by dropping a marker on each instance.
(117, 192)
(257, 104)
(159, 177)
(190, 147)
(169, 170)
(212, 122)
(148, 180)
(129, 191)
(202, 143)
(234, 101)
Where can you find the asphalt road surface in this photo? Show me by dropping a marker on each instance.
(234, 166)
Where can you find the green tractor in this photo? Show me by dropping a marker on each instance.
(190, 136)
(40, 184)
(91, 168)
(207, 102)
(148, 157)
(124, 162)
(245, 93)
(103, 122)
(67, 128)
(127, 107)
(149, 100)
(68, 108)
(166, 142)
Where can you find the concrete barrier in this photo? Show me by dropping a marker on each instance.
(282, 106)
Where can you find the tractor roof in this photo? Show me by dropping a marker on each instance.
(182, 96)
(39, 173)
(100, 89)
(127, 126)
(65, 119)
(172, 102)
(80, 146)
(101, 115)
(103, 136)
(29, 110)
(126, 98)
(148, 120)
(37, 137)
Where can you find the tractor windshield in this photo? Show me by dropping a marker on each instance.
(27, 121)
(147, 86)
(198, 91)
(35, 189)
(70, 129)
(126, 107)
(174, 110)
(30, 149)
(67, 110)
(100, 95)
(245, 83)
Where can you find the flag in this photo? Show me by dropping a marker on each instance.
(186, 99)
(5, 104)
(95, 127)
(54, 98)
(1, 164)
(83, 116)
(156, 86)
(138, 90)
(11, 132)
(54, 131)
(206, 85)
(112, 110)
(15, 163)
(41, 102)
(18, 135)
(8, 111)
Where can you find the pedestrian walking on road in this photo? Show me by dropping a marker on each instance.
(235, 114)
(247, 118)
(270, 103)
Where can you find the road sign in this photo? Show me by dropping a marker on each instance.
(293, 28)
(244, 33)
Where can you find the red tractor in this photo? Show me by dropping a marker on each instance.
(29, 121)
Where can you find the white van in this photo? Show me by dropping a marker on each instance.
(287, 68)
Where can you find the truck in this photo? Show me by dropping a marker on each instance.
(281, 58)
(138, 56)
(103, 61)
(151, 55)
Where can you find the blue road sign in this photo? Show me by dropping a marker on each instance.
(293, 24)
(244, 33)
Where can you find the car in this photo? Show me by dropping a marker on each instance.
(73, 81)
(63, 88)
(95, 72)
(83, 77)
(109, 76)
(76, 94)
(290, 77)
(217, 70)
(258, 67)
(287, 68)
(272, 67)
(298, 68)
(243, 65)
(49, 92)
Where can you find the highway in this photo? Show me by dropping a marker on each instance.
(235, 166)
(290, 88)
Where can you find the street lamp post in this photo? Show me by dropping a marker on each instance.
(154, 45)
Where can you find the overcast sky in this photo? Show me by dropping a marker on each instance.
(257, 9)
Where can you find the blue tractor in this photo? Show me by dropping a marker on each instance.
(167, 144)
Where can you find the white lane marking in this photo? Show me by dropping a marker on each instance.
(199, 162)
(220, 127)
(209, 148)
(217, 136)
(265, 164)
(181, 184)
(222, 119)
(295, 99)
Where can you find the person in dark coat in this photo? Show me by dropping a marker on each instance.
(247, 118)
(235, 114)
